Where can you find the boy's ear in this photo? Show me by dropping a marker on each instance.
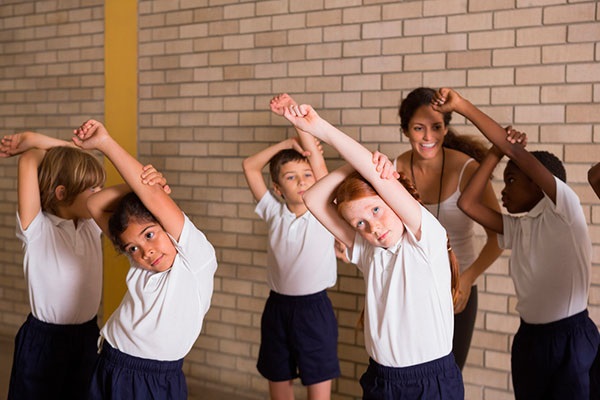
(59, 192)
(277, 189)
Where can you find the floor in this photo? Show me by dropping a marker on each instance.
(6, 352)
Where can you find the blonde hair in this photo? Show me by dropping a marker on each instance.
(72, 168)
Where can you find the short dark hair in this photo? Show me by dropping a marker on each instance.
(551, 162)
(129, 208)
(281, 158)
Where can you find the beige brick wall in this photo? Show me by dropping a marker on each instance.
(206, 73)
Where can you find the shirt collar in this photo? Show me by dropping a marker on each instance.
(539, 208)
(56, 220)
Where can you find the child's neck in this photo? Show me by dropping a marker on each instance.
(297, 209)
(68, 216)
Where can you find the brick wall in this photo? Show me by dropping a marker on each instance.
(207, 70)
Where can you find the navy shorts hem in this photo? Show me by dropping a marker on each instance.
(298, 339)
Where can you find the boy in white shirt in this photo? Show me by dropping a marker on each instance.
(298, 327)
(550, 261)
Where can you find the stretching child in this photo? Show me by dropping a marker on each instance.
(55, 349)
(401, 249)
(298, 327)
(170, 282)
(550, 261)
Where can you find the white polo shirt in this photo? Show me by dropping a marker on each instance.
(550, 263)
(300, 256)
(409, 316)
(160, 316)
(63, 268)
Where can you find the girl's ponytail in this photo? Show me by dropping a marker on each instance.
(454, 273)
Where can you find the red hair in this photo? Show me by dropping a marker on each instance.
(355, 187)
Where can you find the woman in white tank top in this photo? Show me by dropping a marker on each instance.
(440, 164)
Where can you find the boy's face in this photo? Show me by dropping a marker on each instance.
(295, 178)
(520, 194)
(374, 220)
(148, 245)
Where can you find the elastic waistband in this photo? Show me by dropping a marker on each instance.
(274, 296)
(561, 324)
(66, 329)
(414, 372)
(137, 363)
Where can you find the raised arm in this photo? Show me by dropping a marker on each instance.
(93, 135)
(102, 204)
(488, 253)
(594, 178)
(361, 159)
(448, 100)
(254, 165)
(18, 143)
(28, 192)
(319, 200)
(316, 160)
(471, 200)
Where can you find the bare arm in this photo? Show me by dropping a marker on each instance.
(471, 200)
(488, 254)
(18, 143)
(102, 204)
(594, 178)
(448, 100)
(360, 158)
(93, 135)
(319, 200)
(307, 141)
(29, 203)
(254, 165)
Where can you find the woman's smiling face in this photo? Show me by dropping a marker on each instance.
(426, 131)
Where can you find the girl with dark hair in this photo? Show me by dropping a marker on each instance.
(169, 284)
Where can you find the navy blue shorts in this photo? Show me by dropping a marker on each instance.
(434, 380)
(298, 339)
(119, 376)
(53, 361)
(553, 361)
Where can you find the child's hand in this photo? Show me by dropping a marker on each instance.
(461, 297)
(515, 136)
(445, 100)
(384, 166)
(340, 251)
(150, 176)
(280, 102)
(294, 143)
(90, 135)
(14, 144)
(319, 144)
(303, 116)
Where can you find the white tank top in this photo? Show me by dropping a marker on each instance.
(460, 228)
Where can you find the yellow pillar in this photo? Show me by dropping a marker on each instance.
(120, 117)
